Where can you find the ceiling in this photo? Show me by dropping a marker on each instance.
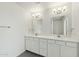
(27, 5)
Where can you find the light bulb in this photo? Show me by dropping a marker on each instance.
(64, 8)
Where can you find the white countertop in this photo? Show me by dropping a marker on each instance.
(72, 39)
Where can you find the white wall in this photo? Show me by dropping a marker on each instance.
(11, 39)
(46, 26)
(75, 19)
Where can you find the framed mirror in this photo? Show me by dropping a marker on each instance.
(37, 24)
(59, 25)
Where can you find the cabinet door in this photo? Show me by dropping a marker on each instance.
(68, 51)
(53, 50)
(43, 47)
(29, 44)
(35, 45)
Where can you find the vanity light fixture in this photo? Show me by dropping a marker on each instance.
(36, 15)
(36, 12)
(59, 10)
(64, 8)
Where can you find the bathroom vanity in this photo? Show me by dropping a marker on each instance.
(52, 46)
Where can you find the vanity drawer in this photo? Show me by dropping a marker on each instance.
(51, 41)
(71, 44)
(60, 43)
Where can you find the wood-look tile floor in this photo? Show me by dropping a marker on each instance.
(29, 54)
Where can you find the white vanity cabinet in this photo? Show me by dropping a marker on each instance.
(32, 44)
(53, 49)
(29, 43)
(69, 50)
(43, 47)
(62, 49)
(35, 45)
